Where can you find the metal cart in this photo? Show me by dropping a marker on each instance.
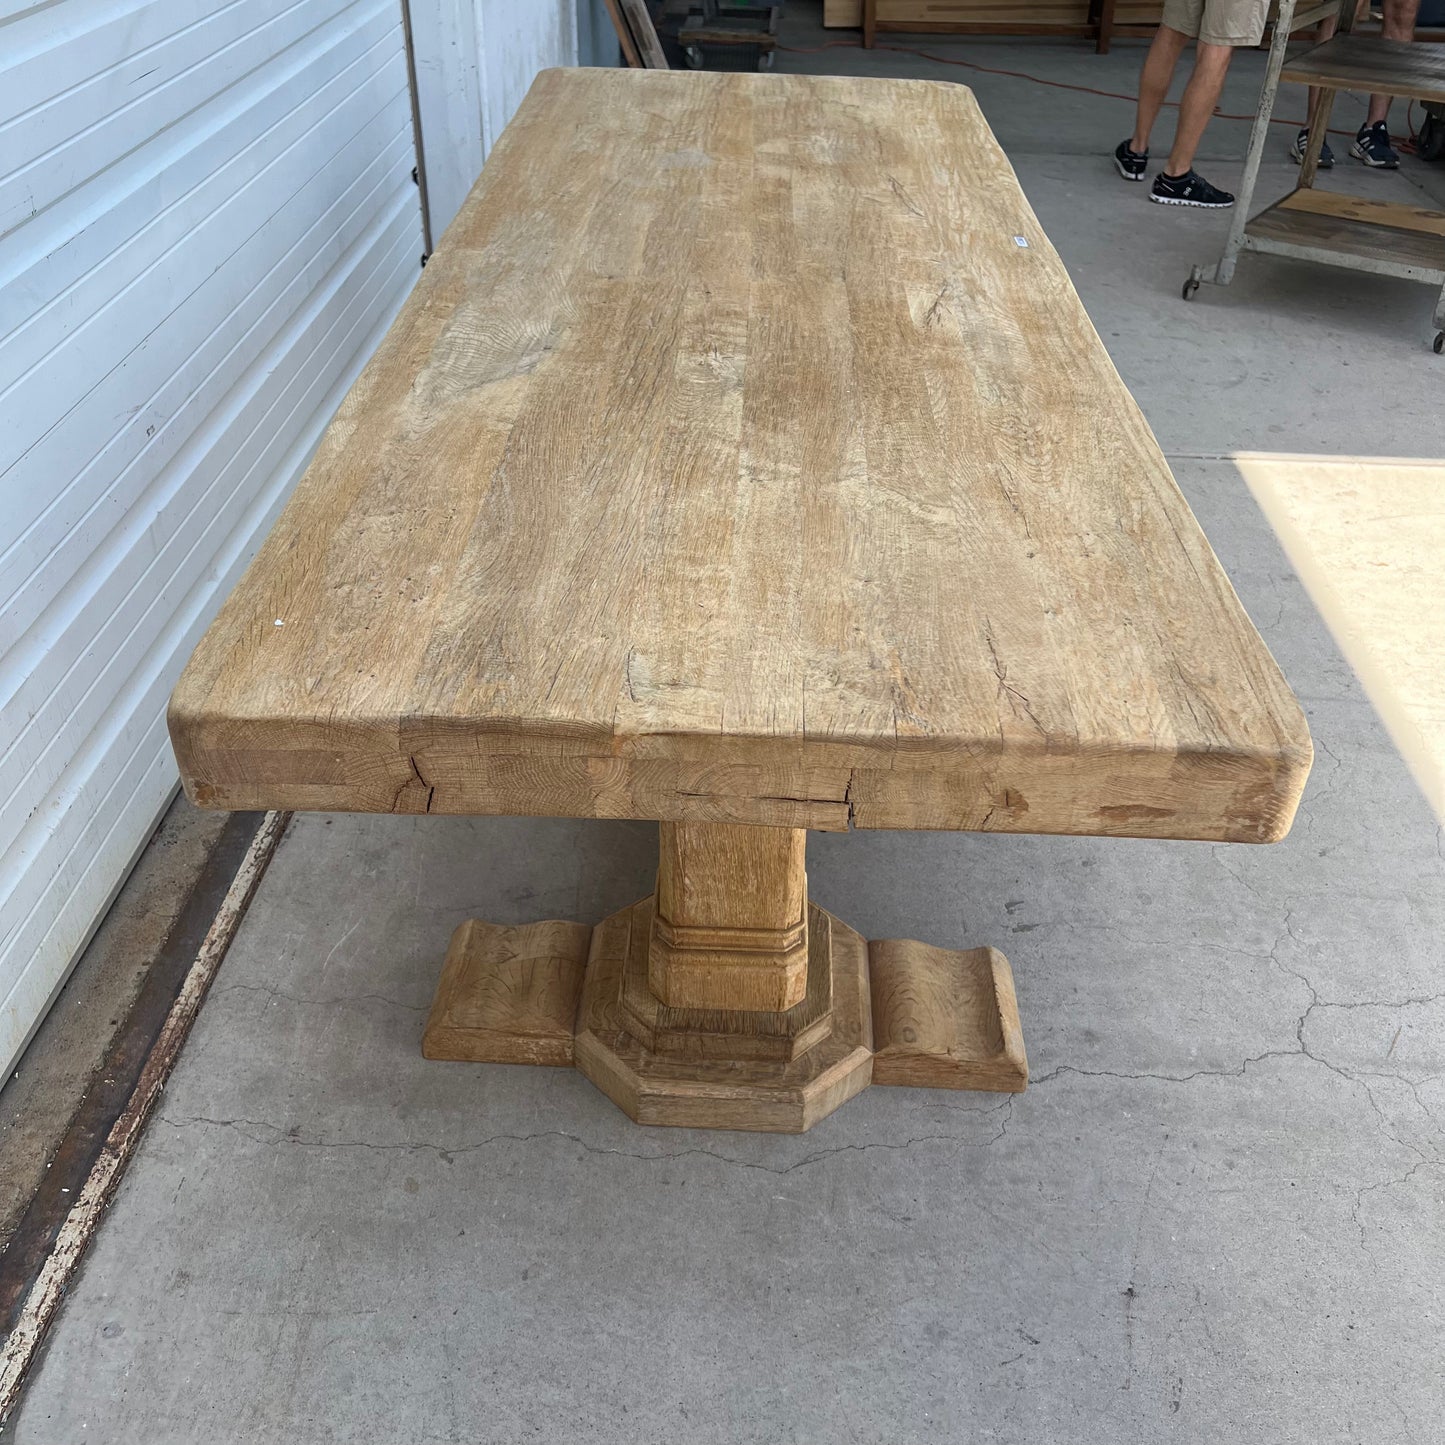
(735, 36)
(1383, 237)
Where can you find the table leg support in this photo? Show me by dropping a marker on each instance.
(730, 928)
(726, 1000)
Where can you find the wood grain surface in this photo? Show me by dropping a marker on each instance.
(944, 1019)
(644, 34)
(744, 454)
(1372, 63)
(735, 1090)
(625, 40)
(731, 929)
(1360, 208)
(509, 995)
(731, 1033)
(1336, 233)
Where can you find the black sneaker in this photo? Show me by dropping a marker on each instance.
(1372, 146)
(1190, 189)
(1301, 142)
(1132, 164)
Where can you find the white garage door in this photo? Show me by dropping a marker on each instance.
(474, 62)
(207, 220)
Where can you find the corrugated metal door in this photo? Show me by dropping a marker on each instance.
(207, 220)
(474, 62)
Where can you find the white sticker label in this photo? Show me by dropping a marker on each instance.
(1021, 241)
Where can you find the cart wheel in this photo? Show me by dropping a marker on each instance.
(693, 55)
(1190, 287)
(1439, 342)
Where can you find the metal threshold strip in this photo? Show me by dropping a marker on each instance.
(63, 1215)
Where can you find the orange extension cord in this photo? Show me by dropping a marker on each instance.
(1407, 144)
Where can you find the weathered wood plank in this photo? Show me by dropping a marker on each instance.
(744, 454)
(945, 1020)
(1371, 212)
(1371, 63)
(1349, 238)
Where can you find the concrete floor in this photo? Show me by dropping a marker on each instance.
(1215, 1215)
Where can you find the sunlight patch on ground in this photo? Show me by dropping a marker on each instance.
(1367, 538)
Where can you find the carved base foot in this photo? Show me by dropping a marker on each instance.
(945, 1020)
(508, 995)
(721, 1082)
(891, 1012)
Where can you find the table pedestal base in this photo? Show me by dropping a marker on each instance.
(889, 1012)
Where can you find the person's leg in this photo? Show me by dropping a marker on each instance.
(1372, 143)
(1168, 45)
(1201, 96)
(1399, 24)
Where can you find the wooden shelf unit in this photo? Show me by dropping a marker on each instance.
(1384, 238)
(1341, 230)
(1372, 64)
(1096, 20)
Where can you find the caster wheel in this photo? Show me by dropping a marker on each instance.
(693, 55)
(1190, 287)
(1439, 342)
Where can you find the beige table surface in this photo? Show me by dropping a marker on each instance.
(745, 454)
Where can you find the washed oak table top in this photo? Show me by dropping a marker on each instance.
(744, 460)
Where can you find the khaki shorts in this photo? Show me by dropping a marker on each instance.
(1218, 22)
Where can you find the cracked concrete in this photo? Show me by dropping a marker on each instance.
(293, 1137)
(1216, 1213)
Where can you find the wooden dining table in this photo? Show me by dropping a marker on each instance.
(745, 461)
